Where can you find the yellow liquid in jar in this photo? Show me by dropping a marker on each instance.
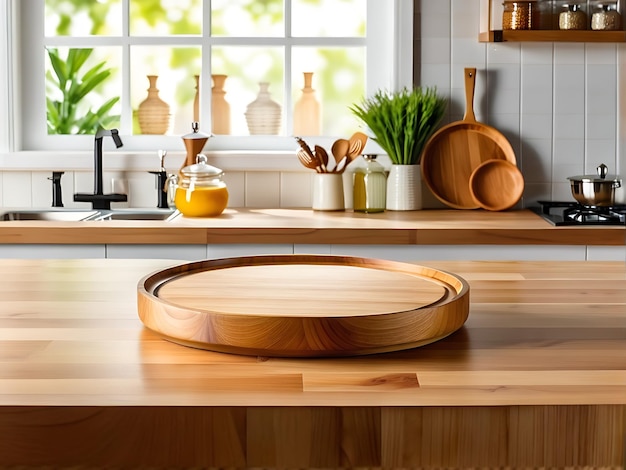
(201, 202)
(369, 192)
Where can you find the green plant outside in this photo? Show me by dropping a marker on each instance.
(64, 115)
(402, 122)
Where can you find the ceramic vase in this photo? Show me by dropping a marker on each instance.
(153, 113)
(196, 100)
(404, 188)
(220, 108)
(263, 114)
(306, 113)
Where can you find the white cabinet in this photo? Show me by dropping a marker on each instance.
(181, 252)
(52, 251)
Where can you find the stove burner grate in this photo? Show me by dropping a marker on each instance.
(573, 213)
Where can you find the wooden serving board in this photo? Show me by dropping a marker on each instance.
(302, 305)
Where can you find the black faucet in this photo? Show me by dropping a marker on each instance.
(98, 199)
(161, 182)
(57, 198)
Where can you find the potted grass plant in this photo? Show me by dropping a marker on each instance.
(402, 122)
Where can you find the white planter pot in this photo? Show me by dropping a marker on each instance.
(404, 188)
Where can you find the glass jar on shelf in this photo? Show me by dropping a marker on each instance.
(520, 15)
(605, 17)
(573, 17)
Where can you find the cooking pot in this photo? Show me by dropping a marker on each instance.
(200, 190)
(595, 190)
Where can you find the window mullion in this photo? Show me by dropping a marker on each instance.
(206, 68)
(287, 51)
(127, 112)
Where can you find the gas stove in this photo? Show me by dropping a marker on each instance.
(573, 213)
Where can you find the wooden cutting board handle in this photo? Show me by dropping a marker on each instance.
(470, 83)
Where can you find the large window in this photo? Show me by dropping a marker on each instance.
(252, 72)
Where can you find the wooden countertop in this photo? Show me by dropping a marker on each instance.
(537, 333)
(304, 226)
(536, 378)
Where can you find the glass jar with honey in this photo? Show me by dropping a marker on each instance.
(201, 192)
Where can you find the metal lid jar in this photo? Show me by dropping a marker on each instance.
(573, 18)
(200, 190)
(606, 18)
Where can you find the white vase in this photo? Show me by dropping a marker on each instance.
(263, 115)
(404, 188)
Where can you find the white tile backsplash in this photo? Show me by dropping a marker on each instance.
(17, 189)
(262, 189)
(295, 189)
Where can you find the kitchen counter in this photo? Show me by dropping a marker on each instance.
(303, 226)
(535, 378)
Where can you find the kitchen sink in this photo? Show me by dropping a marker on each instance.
(69, 215)
(138, 214)
(49, 215)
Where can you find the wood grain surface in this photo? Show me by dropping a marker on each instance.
(452, 154)
(305, 226)
(535, 379)
(496, 185)
(303, 305)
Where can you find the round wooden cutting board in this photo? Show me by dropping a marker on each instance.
(302, 305)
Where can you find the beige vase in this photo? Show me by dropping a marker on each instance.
(196, 100)
(263, 114)
(220, 108)
(153, 112)
(306, 113)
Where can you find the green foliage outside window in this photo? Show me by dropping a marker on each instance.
(69, 87)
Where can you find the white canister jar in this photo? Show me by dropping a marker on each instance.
(328, 192)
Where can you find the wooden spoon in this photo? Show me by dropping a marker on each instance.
(357, 143)
(339, 150)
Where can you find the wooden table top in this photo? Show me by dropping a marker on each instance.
(538, 333)
(305, 226)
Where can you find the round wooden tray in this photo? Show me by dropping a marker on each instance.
(302, 305)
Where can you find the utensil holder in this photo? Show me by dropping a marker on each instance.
(328, 192)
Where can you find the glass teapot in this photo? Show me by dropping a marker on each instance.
(199, 190)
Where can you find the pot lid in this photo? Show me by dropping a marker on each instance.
(201, 169)
(601, 176)
(195, 132)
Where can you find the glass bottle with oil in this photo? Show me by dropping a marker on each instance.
(370, 186)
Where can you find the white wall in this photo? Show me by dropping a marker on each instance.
(558, 103)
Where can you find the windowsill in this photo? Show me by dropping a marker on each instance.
(146, 161)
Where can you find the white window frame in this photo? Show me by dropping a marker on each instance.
(389, 45)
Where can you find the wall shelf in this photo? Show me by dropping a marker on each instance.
(552, 36)
(491, 26)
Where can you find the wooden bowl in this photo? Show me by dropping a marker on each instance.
(496, 185)
(302, 305)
